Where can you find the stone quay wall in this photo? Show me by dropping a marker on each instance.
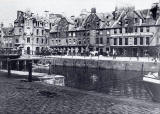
(104, 64)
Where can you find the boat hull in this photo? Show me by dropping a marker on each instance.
(153, 87)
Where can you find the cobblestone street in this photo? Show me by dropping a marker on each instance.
(20, 97)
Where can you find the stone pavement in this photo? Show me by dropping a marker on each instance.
(20, 97)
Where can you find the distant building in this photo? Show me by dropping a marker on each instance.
(126, 31)
(8, 37)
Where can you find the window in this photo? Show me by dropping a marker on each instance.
(144, 20)
(126, 30)
(147, 40)
(37, 31)
(79, 42)
(141, 40)
(88, 34)
(74, 41)
(126, 41)
(97, 41)
(101, 32)
(126, 21)
(84, 41)
(120, 30)
(147, 29)
(17, 41)
(135, 41)
(101, 40)
(115, 31)
(46, 41)
(108, 42)
(71, 33)
(37, 40)
(135, 29)
(141, 29)
(115, 41)
(88, 40)
(42, 41)
(42, 32)
(120, 41)
(20, 30)
(28, 40)
(97, 33)
(136, 20)
(10, 44)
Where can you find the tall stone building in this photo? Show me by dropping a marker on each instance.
(31, 32)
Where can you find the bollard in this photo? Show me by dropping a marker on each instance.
(126, 66)
(30, 71)
(17, 65)
(50, 66)
(142, 67)
(9, 66)
(25, 65)
(0, 64)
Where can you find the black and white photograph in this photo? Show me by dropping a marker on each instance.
(79, 56)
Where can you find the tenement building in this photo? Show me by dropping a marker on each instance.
(124, 32)
(31, 32)
(79, 35)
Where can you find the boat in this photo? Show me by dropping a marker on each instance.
(152, 81)
(41, 66)
(57, 80)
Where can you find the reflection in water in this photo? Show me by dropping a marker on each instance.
(112, 82)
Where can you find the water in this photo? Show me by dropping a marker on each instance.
(112, 82)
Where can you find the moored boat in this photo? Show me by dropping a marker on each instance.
(41, 66)
(152, 81)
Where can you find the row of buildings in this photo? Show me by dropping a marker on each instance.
(125, 32)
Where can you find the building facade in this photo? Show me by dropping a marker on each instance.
(124, 32)
(31, 32)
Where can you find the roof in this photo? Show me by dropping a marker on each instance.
(8, 31)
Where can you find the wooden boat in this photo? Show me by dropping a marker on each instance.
(55, 80)
(152, 81)
(41, 66)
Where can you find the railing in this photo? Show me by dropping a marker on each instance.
(21, 65)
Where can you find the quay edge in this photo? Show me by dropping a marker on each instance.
(104, 64)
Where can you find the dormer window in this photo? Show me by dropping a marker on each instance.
(144, 20)
(136, 20)
(126, 21)
(115, 31)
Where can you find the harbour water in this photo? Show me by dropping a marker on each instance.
(112, 82)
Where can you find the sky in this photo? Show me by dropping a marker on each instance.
(8, 8)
